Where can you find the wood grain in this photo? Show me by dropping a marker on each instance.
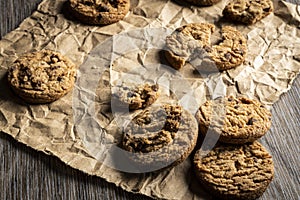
(27, 174)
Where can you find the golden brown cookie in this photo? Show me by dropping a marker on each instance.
(99, 12)
(235, 171)
(159, 137)
(192, 43)
(202, 2)
(42, 77)
(138, 97)
(236, 120)
(248, 11)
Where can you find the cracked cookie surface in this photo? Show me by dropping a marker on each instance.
(160, 136)
(248, 11)
(99, 12)
(236, 120)
(235, 171)
(139, 97)
(42, 77)
(192, 43)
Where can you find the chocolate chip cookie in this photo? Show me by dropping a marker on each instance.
(192, 43)
(99, 12)
(235, 120)
(137, 97)
(235, 171)
(160, 136)
(42, 77)
(202, 2)
(248, 11)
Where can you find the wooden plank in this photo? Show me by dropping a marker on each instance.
(27, 174)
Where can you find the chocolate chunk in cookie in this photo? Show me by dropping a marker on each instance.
(99, 12)
(248, 11)
(42, 77)
(160, 136)
(192, 43)
(202, 2)
(236, 120)
(235, 171)
(137, 97)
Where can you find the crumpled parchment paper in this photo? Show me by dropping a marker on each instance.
(271, 66)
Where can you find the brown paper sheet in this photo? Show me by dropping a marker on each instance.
(271, 66)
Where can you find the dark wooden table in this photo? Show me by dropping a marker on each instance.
(27, 174)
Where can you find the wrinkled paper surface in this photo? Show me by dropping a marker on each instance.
(271, 66)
